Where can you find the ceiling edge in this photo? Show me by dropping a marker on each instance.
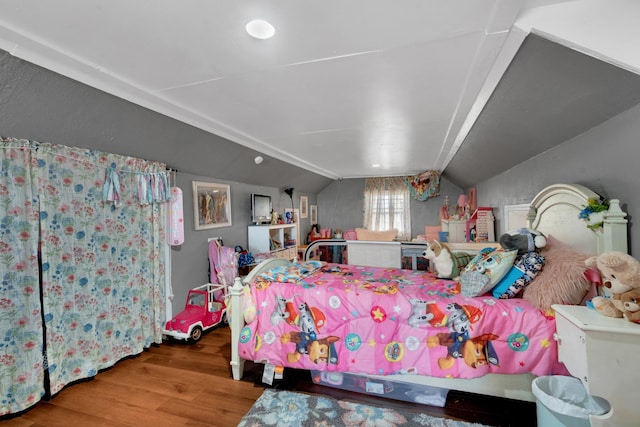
(43, 55)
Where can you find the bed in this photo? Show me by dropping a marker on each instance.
(409, 325)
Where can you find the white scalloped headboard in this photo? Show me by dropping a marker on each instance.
(554, 212)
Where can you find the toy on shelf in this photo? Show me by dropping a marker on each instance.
(202, 312)
(444, 209)
(479, 227)
(462, 207)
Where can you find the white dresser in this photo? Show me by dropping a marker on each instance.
(604, 353)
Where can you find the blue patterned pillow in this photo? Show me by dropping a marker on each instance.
(526, 267)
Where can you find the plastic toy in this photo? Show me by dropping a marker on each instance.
(201, 312)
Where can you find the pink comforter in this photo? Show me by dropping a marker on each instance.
(386, 321)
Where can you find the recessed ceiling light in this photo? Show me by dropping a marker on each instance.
(260, 29)
(375, 165)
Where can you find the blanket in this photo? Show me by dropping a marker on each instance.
(388, 321)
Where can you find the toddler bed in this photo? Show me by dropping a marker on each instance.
(409, 324)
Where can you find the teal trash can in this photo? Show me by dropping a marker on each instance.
(564, 402)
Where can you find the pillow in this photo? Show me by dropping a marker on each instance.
(350, 235)
(526, 267)
(562, 281)
(485, 270)
(381, 236)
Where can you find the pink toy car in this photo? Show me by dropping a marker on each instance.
(201, 313)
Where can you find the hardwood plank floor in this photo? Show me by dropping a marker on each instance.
(179, 384)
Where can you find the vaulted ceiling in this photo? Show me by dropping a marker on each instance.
(345, 85)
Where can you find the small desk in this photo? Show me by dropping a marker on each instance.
(413, 250)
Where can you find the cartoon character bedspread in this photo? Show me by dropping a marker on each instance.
(386, 321)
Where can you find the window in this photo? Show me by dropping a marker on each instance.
(387, 206)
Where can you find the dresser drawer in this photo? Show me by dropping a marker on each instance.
(572, 347)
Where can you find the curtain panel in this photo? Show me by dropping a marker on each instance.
(100, 219)
(21, 340)
(103, 278)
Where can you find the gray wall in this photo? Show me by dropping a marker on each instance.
(604, 159)
(190, 261)
(341, 205)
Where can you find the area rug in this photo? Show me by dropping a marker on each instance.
(289, 409)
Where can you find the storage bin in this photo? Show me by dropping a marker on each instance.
(393, 389)
(350, 235)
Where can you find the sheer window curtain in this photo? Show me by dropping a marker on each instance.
(387, 205)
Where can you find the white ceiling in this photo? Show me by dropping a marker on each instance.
(343, 84)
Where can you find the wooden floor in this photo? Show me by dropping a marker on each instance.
(179, 384)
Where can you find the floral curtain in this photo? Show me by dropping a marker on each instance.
(103, 248)
(387, 205)
(21, 340)
(82, 261)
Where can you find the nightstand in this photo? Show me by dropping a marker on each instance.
(604, 353)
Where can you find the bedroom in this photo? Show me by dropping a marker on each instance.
(603, 158)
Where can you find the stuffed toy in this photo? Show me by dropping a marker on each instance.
(528, 262)
(523, 239)
(446, 263)
(631, 305)
(620, 274)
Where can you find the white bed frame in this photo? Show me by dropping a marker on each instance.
(554, 211)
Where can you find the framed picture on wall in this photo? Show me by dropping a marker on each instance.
(211, 205)
(314, 214)
(304, 207)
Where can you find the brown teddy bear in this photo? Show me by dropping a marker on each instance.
(620, 274)
(631, 304)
